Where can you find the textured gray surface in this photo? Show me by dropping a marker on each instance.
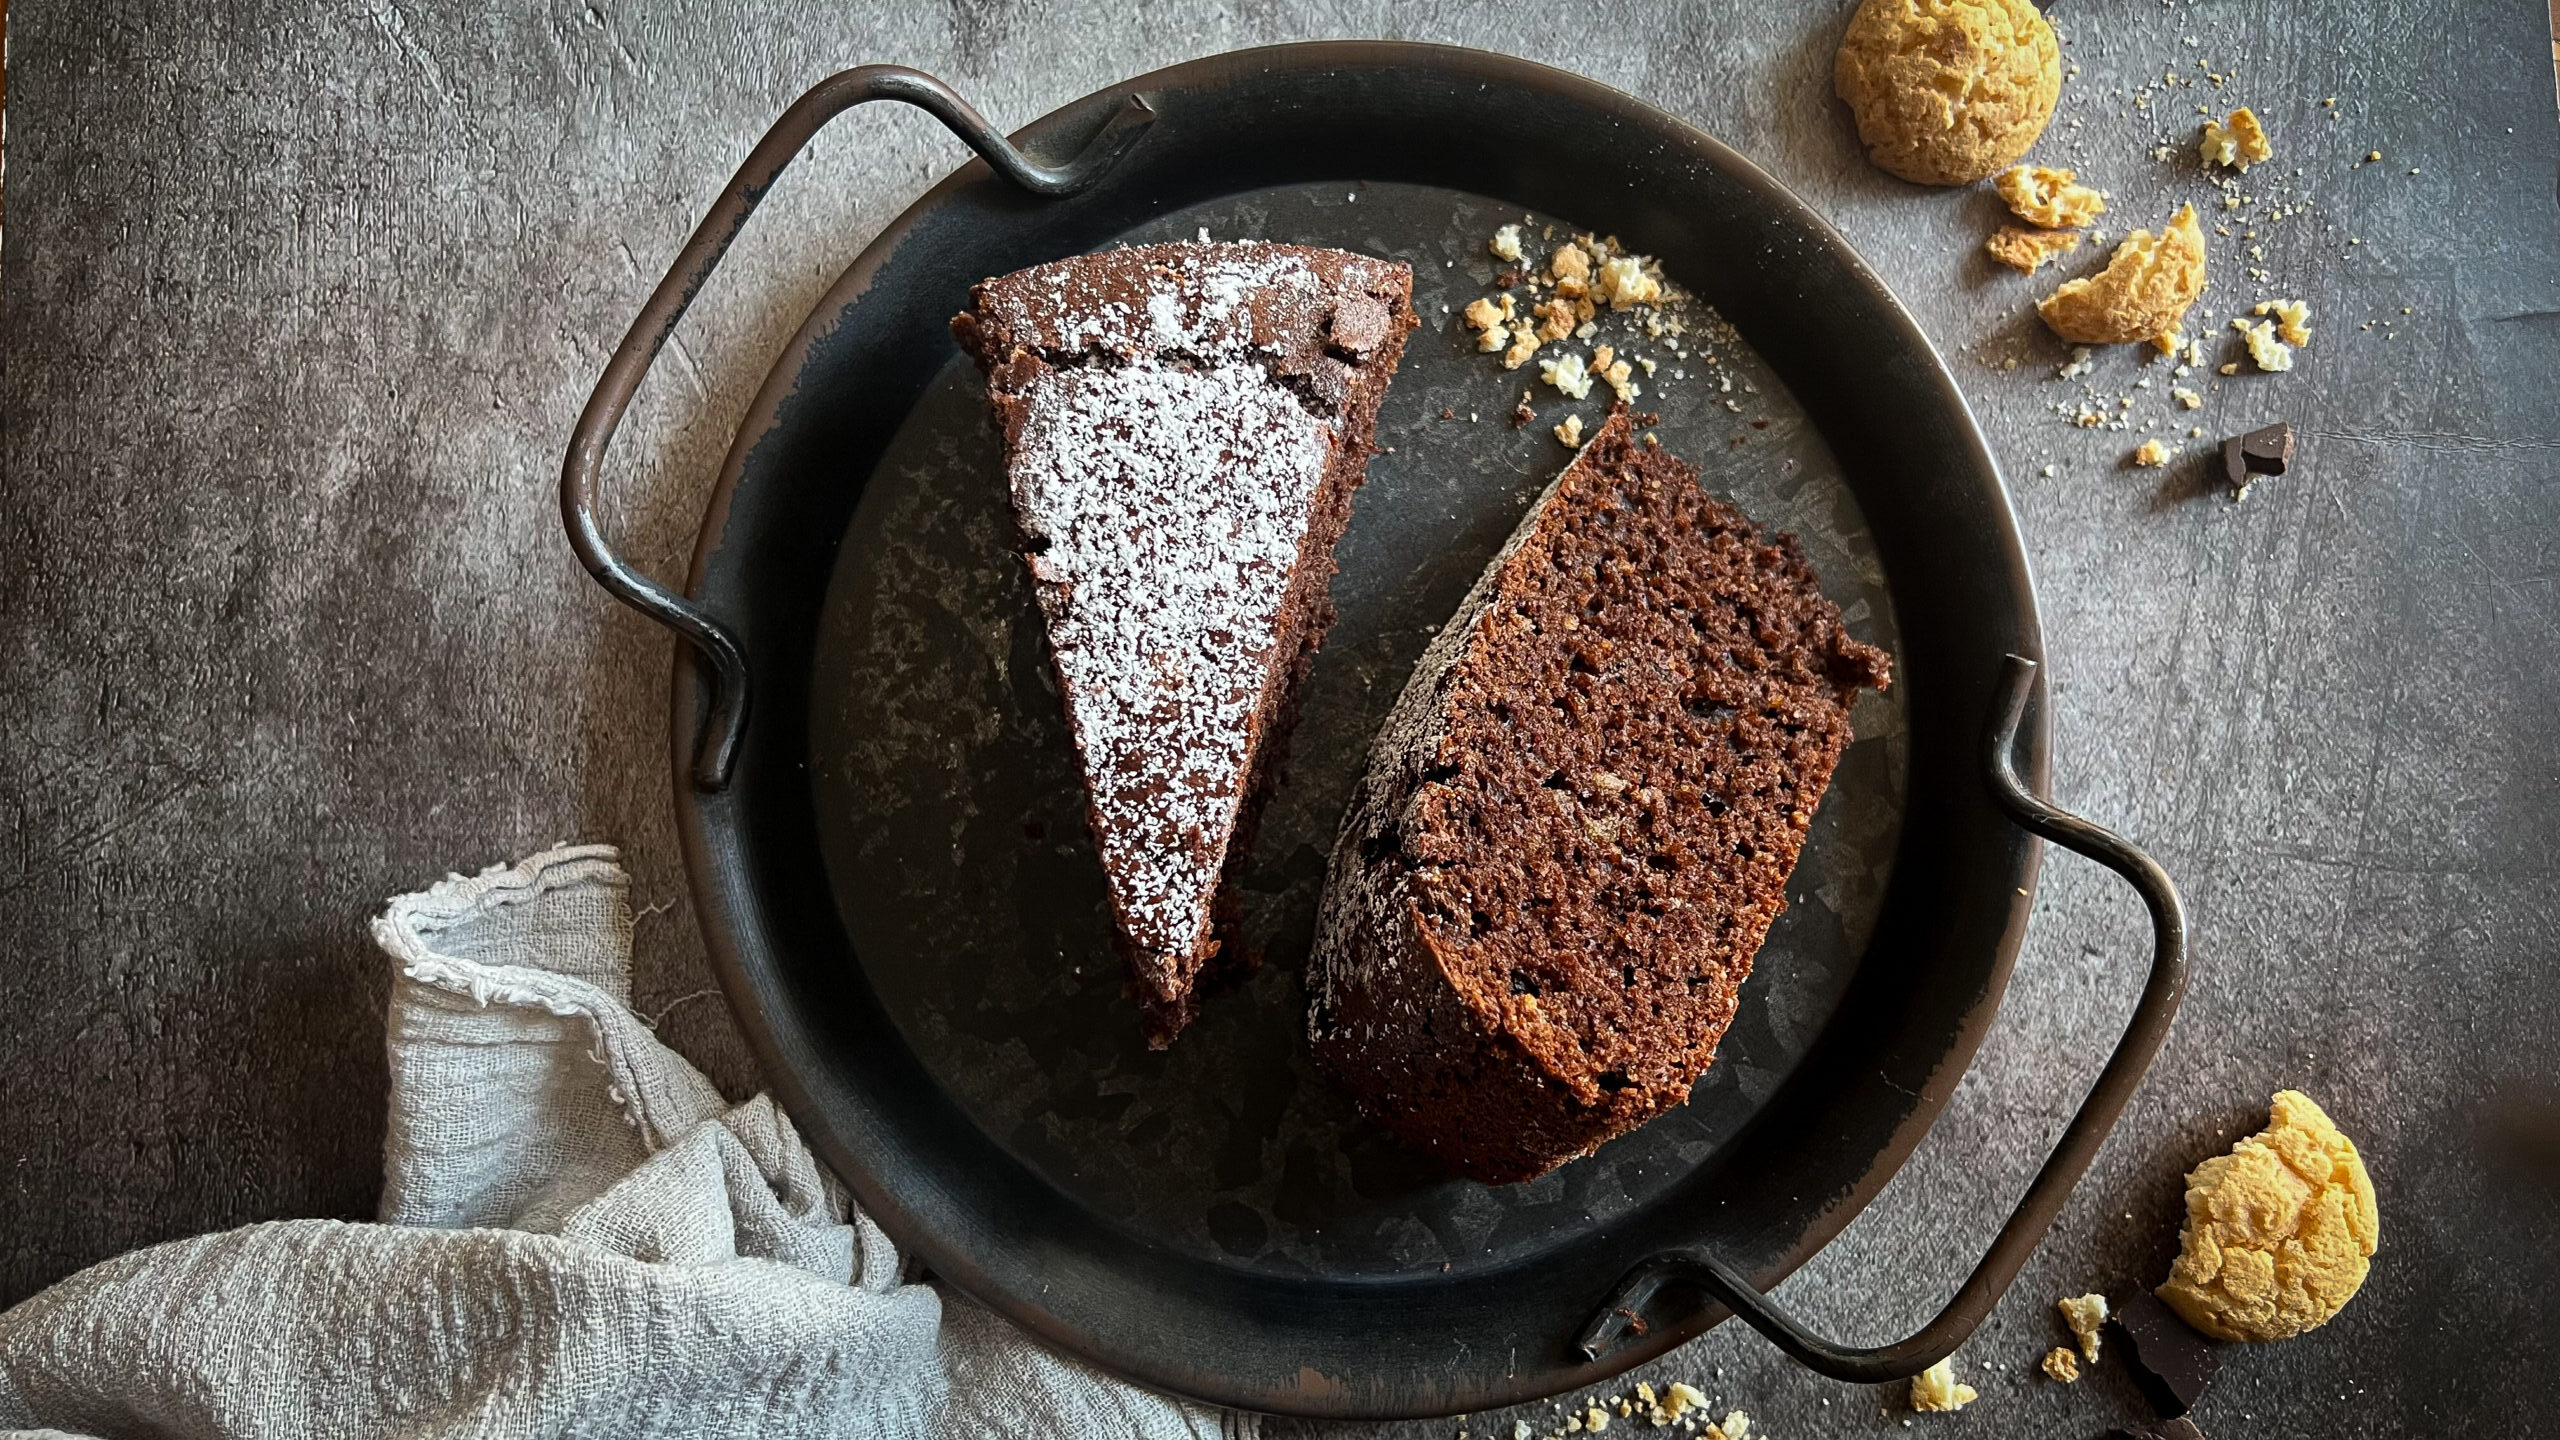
(296, 317)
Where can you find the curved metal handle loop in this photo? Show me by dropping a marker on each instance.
(2044, 1199)
(726, 721)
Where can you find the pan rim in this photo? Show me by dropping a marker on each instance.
(716, 866)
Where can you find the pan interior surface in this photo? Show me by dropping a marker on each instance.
(949, 808)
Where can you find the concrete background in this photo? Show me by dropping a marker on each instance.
(297, 315)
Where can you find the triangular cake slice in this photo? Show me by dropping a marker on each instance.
(1578, 821)
(1185, 425)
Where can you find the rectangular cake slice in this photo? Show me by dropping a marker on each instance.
(1577, 824)
(1185, 425)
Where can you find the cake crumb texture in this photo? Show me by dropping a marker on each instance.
(2279, 1232)
(2145, 290)
(1946, 92)
(1577, 823)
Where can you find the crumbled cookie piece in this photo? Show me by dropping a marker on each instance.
(1938, 1389)
(1491, 319)
(2046, 197)
(1620, 375)
(1734, 1426)
(2085, 1313)
(1568, 374)
(1947, 91)
(1570, 268)
(1524, 343)
(2025, 250)
(2293, 319)
(2144, 291)
(2151, 455)
(1555, 319)
(2168, 341)
(1570, 432)
(2269, 353)
(1624, 282)
(2238, 141)
(2187, 399)
(1505, 243)
(2062, 1365)
(2279, 1232)
(1682, 1398)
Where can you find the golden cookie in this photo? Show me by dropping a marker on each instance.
(2023, 250)
(2144, 291)
(2278, 1231)
(1948, 91)
(2044, 196)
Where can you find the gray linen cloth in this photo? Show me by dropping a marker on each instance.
(578, 1237)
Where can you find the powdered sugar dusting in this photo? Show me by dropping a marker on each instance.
(1165, 507)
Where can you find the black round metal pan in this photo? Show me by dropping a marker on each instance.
(878, 806)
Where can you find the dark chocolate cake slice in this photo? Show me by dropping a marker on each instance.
(1184, 426)
(1577, 824)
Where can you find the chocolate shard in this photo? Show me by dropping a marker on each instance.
(2172, 1363)
(2267, 450)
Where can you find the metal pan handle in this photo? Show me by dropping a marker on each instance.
(2062, 1170)
(726, 720)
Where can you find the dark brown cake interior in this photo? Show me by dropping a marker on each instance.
(1649, 702)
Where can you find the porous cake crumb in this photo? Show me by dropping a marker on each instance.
(1645, 693)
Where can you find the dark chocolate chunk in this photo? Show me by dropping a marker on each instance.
(2264, 451)
(2172, 1363)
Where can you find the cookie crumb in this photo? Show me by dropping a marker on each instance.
(2048, 197)
(2186, 398)
(2025, 251)
(2293, 319)
(2151, 455)
(2269, 353)
(2238, 141)
(1568, 375)
(1570, 432)
(1937, 1389)
(1505, 244)
(2062, 1365)
(2085, 1313)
